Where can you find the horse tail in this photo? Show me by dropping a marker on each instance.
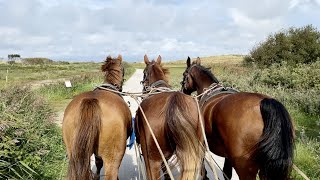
(275, 148)
(85, 140)
(182, 135)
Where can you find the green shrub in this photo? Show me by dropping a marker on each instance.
(295, 45)
(31, 143)
(11, 62)
(37, 61)
(301, 76)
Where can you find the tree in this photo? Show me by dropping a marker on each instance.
(295, 45)
(13, 56)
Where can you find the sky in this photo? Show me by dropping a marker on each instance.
(79, 30)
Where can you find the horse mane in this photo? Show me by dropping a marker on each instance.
(164, 70)
(206, 71)
(113, 68)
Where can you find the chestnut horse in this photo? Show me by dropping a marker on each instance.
(252, 131)
(98, 122)
(174, 120)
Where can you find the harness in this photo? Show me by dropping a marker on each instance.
(213, 90)
(154, 87)
(109, 86)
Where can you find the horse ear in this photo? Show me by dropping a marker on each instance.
(198, 61)
(109, 57)
(146, 59)
(120, 57)
(188, 62)
(159, 59)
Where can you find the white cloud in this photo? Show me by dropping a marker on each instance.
(90, 30)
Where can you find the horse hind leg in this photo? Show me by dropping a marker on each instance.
(99, 164)
(164, 170)
(227, 169)
(204, 173)
(111, 167)
(246, 169)
(153, 167)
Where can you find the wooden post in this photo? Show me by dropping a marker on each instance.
(7, 76)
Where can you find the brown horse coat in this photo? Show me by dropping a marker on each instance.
(97, 122)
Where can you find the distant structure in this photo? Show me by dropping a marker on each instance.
(14, 57)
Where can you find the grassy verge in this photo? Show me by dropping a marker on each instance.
(59, 96)
(23, 74)
(30, 142)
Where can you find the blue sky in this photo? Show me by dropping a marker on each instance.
(82, 30)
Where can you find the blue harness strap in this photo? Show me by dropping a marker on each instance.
(133, 135)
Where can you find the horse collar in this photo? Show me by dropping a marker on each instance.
(109, 86)
(154, 87)
(157, 83)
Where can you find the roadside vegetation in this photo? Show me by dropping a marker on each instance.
(30, 142)
(26, 73)
(59, 96)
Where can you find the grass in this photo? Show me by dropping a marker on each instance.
(223, 59)
(30, 143)
(24, 74)
(59, 96)
(307, 159)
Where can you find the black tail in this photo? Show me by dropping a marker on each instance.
(182, 133)
(274, 151)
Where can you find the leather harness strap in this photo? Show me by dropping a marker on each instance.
(217, 89)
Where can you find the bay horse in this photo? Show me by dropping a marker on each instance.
(252, 131)
(98, 122)
(175, 122)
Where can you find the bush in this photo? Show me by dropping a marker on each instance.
(296, 45)
(301, 76)
(31, 143)
(11, 62)
(37, 61)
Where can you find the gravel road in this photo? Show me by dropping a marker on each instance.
(129, 166)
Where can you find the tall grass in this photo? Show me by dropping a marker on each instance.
(30, 142)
